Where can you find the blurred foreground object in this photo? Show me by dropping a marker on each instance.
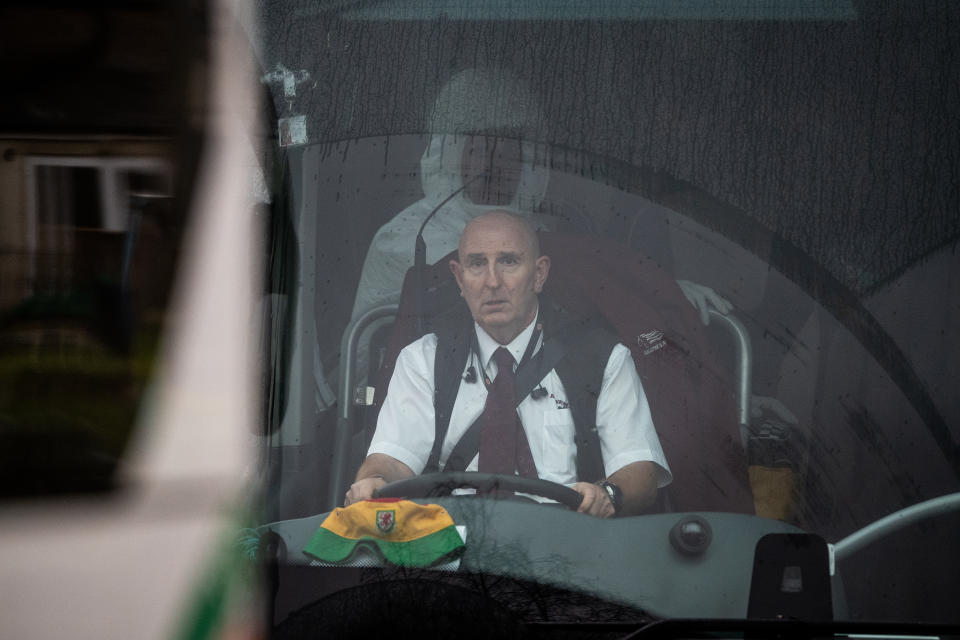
(149, 555)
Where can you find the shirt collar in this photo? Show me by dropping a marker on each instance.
(517, 346)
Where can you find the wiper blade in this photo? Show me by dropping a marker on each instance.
(790, 629)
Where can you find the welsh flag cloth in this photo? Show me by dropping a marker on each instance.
(403, 532)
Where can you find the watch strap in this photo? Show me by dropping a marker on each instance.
(614, 493)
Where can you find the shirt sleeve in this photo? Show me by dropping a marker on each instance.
(405, 426)
(624, 422)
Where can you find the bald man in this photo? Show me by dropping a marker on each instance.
(501, 274)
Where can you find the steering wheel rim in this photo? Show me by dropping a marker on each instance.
(442, 483)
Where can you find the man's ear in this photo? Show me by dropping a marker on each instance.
(543, 270)
(457, 273)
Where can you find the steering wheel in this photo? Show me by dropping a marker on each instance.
(437, 484)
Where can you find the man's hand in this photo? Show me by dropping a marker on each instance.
(363, 490)
(596, 502)
(376, 471)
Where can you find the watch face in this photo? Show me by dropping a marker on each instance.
(615, 495)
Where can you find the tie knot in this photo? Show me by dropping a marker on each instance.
(504, 360)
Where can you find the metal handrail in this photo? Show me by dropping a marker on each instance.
(348, 351)
(895, 521)
(744, 367)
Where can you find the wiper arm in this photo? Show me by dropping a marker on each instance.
(789, 629)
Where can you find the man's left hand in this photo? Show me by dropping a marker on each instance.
(596, 502)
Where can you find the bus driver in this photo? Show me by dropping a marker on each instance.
(501, 273)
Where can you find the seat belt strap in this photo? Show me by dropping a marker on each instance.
(453, 349)
(528, 377)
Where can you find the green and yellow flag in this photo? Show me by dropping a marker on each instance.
(404, 532)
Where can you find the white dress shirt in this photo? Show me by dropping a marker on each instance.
(406, 426)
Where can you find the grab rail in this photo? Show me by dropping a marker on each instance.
(348, 350)
(744, 367)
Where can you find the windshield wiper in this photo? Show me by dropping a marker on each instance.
(792, 629)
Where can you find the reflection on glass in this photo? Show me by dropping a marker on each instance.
(89, 270)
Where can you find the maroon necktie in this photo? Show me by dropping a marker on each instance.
(503, 443)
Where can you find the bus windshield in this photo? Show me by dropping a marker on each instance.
(756, 201)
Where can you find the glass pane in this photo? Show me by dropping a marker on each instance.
(758, 201)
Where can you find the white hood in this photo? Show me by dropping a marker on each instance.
(483, 101)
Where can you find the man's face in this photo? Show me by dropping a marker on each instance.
(499, 275)
(493, 165)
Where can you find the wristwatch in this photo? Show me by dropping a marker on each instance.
(614, 493)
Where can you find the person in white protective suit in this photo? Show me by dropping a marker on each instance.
(483, 125)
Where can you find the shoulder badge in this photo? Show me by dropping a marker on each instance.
(651, 341)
